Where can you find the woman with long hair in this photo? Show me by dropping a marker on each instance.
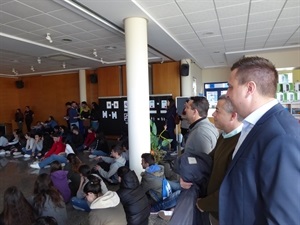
(47, 201)
(73, 172)
(16, 209)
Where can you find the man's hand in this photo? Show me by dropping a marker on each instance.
(185, 185)
(97, 167)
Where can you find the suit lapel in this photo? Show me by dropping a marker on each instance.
(251, 136)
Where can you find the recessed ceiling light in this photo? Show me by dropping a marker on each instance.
(110, 47)
(66, 40)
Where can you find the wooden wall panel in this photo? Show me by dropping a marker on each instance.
(109, 81)
(9, 99)
(124, 81)
(166, 78)
(91, 89)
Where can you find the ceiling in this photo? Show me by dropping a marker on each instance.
(88, 34)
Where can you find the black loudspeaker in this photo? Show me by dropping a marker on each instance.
(19, 84)
(184, 69)
(94, 78)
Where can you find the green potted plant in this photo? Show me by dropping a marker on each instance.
(158, 142)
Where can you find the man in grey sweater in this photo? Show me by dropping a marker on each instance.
(202, 134)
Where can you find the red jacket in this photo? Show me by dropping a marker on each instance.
(57, 147)
(89, 139)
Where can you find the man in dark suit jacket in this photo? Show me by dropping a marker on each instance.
(262, 182)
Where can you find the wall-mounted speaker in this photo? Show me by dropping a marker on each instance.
(184, 69)
(19, 84)
(94, 78)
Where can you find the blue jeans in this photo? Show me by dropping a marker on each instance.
(99, 153)
(80, 204)
(167, 203)
(51, 158)
(95, 125)
(29, 152)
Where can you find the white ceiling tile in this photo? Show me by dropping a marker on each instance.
(264, 16)
(173, 22)
(288, 21)
(30, 36)
(234, 10)
(212, 39)
(261, 25)
(224, 4)
(25, 25)
(266, 5)
(43, 32)
(195, 6)
(169, 10)
(85, 36)
(87, 25)
(67, 29)
(103, 33)
(210, 26)
(233, 21)
(200, 17)
(186, 36)
(234, 36)
(19, 10)
(6, 18)
(100, 42)
(42, 5)
(180, 29)
(234, 42)
(234, 29)
(285, 29)
(262, 32)
(290, 12)
(45, 20)
(10, 30)
(67, 16)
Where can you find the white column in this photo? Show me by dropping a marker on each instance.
(82, 85)
(137, 90)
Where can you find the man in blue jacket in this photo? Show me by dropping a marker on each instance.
(262, 182)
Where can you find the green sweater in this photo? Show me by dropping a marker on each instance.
(222, 156)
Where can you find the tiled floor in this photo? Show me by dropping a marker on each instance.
(16, 171)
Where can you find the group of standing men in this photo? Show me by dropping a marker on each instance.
(256, 159)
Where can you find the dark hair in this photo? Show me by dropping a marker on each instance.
(16, 209)
(43, 187)
(93, 185)
(122, 171)
(68, 104)
(148, 158)
(118, 149)
(172, 102)
(46, 220)
(55, 166)
(259, 70)
(74, 161)
(85, 170)
(200, 104)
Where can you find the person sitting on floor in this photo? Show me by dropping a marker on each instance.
(115, 162)
(16, 208)
(59, 178)
(57, 152)
(133, 197)
(90, 137)
(106, 209)
(47, 201)
(73, 172)
(99, 147)
(152, 183)
(29, 145)
(79, 202)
